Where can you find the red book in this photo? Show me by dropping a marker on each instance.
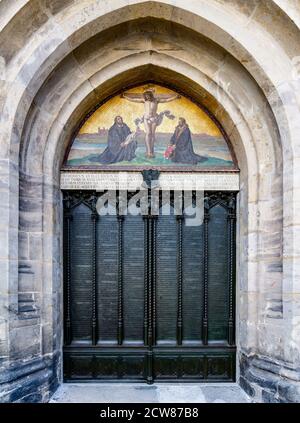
(169, 151)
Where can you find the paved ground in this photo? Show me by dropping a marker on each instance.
(141, 393)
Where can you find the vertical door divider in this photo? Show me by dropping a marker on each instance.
(94, 277)
(179, 279)
(68, 335)
(231, 259)
(150, 322)
(146, 278)
(205, 293)
(120, 279)
(154, 222)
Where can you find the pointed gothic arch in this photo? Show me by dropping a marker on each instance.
(41, 109)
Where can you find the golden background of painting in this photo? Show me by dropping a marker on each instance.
(198, 121)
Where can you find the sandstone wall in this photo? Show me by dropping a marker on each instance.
(241, 59)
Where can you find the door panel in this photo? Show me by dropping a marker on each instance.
(81, 273)
(217, 269)
(166, 277)
(107, 284)
(133, 279)
(148, 297)
(192, 296)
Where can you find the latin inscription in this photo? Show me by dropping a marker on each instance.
(133, 180)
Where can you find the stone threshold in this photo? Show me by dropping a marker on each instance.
(156, 393)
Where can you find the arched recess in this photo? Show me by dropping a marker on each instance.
(195, 84)
(51, 107)
(188, 83)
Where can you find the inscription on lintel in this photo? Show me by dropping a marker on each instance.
(100, 181)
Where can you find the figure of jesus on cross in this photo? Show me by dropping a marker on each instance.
(151, 118)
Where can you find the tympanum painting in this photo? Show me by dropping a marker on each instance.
(150, 126)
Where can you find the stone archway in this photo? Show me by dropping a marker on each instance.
(149, 290)
(205, 52)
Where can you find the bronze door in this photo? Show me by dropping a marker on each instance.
(149, 297)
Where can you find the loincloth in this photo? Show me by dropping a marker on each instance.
(157, 119)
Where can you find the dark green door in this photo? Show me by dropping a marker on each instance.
(149, 297)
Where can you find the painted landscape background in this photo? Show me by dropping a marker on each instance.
(206, 136)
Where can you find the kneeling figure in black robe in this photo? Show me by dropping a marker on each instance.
(183, 147)
(116, 150)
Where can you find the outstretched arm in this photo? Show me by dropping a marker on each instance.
(134, 98)
(166, 99)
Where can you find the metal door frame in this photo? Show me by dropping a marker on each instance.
(150, 349)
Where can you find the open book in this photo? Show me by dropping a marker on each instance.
(131, 137)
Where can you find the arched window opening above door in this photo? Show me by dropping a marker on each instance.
(150, 126)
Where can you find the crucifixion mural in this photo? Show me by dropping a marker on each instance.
(150, 126)
(151, 118)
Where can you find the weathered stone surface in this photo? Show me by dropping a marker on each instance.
(26, 341)
(157, 393)
(32, 381)
(259, 374)
(240, 59)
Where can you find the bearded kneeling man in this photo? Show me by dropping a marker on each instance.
(120, 145)
(183, 151)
